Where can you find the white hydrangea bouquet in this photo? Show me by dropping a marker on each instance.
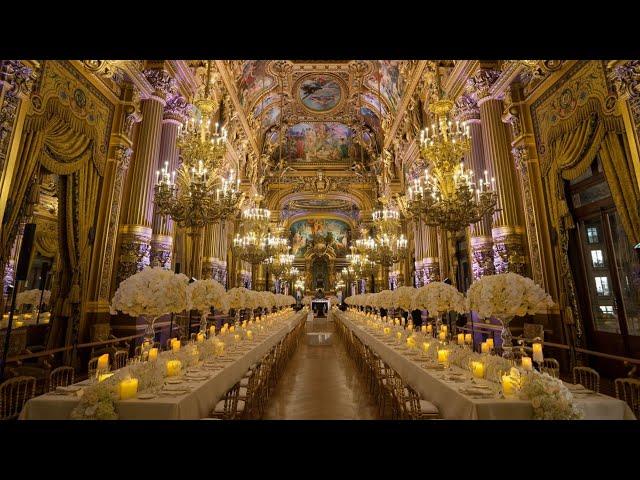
(151, 293)
(383, 299)
(505, 296)
(204, 294)
(402, 298)
(439, 298)
(236, 298)
(32, 297)
(550, 398)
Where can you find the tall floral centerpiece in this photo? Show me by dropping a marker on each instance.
(151, 293)
(237, 299)
(205, 294)
(32, 297)
(505, 296)
(383, 299)
(402, 299)
(439, 298)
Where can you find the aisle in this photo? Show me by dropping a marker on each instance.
(320, 382)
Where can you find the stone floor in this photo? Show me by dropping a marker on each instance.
(320, 382)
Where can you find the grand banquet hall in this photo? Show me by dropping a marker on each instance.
(320, 240)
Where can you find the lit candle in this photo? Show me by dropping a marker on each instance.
(443, 356)
(526, 363)
(175, 345)
(425, 346)
(212, 330)
(442, 336)
(537, 352)
(236, 337)
(153, 354)
(386, 331)
(423, 329)
(484, 347)
(490, 342)
(444, 328)
(173, 368)
(468, 339)
(103, 362)
(477, 368)
(19, 324)
(200, 337)
(249, 335)
(429, 328)
(508, 387)
(128, 388)
(399, 335)
(461, 339)
(104, 376)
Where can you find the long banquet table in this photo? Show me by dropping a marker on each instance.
(453, 404)
(193, 405)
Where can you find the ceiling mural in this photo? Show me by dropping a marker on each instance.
(319, 93)
(319, 232)
(314, 203)
(254, 79)
(320, 141)
(386, 75)
(374, 104)
(264, 103)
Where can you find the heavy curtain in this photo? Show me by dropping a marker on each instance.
(65, 145)
(573, 147)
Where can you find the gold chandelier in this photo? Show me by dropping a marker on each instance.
(361, 264)
(258, 243)
(448, 196)
(389, 245)
(280, 264)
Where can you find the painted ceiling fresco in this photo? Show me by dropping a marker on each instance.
(333, 233)
(320, 141)
(319, 93)
(254, 80)
(386, 75)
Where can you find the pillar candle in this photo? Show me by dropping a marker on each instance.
(429, 328)
(212, 331)
(443, 356)
(128, 388)
(442, 336)
(444, 328)
(103, 362)
(484, 347)
(425, 346)
(19, 324)
(477, 368)
(468, 339)
(175, 345)
(508, 388)
(537, 352)
(236, 337)
(173, 368)
(490, 342)
(249, 335)
(461, 339)
(200, 337)
(526, 363)
(153, 354)
(232, 328)
(104, 376)
(386, 331)
(423, 329)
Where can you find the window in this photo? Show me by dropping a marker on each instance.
(592, 234)
(602, 285)
(606, 309)
(596, 258)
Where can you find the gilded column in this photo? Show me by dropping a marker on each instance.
(209, 251)
(175, 114)
(480, 239)
(431, 259)
(418, 252)
(507, 231)
(136, 229)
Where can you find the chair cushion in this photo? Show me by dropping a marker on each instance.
(242, 393)
(244, 382)
(248, 374)
(219, 407)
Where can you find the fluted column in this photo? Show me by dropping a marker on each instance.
(209, 251)
(418, 251)
(507, 231)
(480, 239)
(136, 229)
(431, 259)
(175, 114)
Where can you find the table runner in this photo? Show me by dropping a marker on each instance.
(455, 405)
(193, 405)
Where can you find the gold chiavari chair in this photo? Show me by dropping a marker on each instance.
(551, 366)
(61, 377)
(227, 408)
(92, 367)
(417, 408)
(120, 359)
(587, 377)
(248, 395)
(628, 389)
(14, 393)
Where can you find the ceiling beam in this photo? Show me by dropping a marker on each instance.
(406, 97)
(233, 94)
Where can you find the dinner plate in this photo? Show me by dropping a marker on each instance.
(146, 396)
(174, 381)
(173, 393)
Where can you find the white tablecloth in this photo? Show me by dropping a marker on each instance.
(193, 405)
(455, 405)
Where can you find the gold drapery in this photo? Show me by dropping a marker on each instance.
(573, 150)
(65, 146)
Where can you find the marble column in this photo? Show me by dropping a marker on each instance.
(507, 231)
(480, 239)
(209, 259)
(175, 114)
(431, 259)
(418, 252)
(136, 228)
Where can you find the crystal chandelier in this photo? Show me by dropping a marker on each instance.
(258, 243)
(389, 246)
(360, 263)
(279, 264)
(448, 197)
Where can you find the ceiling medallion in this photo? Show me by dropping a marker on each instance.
(320, 93)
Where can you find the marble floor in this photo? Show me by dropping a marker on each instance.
(320, 382)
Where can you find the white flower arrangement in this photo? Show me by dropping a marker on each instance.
(237, 298)
(383, 299)
(550, 398)
(506, 295)
(403, 298)
(438, 298)
(266, 299)
(32, 297)
(153, 291)
(98, 401)
(204, 294)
